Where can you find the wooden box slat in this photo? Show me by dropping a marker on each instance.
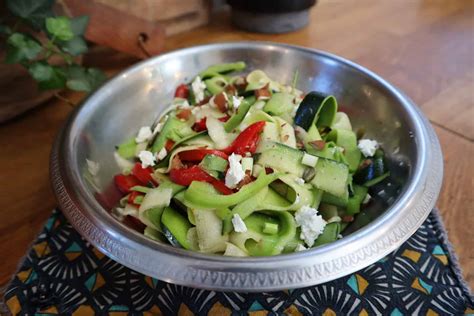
(175, 16)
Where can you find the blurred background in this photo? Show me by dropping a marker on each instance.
(54, 53)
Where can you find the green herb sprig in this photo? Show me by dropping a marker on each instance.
(64, 39)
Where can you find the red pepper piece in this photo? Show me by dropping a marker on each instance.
(200, 126)
(195, 173)
(125, 183)
(182, 91)
(247, 140)
(132, 196)
(169, 145)
(187, 175)
(224, 118)
(268, 170)
(134, 223)
(109, 197)
(199, 154)
(221, 187)
(176, 163)
(143, 174)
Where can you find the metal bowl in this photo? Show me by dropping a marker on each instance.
(136, 96)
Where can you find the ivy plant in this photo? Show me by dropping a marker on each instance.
(64, 38)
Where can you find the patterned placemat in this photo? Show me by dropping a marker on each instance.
(63, 274)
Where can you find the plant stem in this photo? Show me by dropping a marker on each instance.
(54, 50)
(66, 100)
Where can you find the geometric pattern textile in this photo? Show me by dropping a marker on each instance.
(64, 275)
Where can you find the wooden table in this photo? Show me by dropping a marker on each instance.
(425, 47)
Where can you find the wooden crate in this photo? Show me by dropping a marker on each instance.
(175, 15)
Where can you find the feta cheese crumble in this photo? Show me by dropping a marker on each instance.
(238, 223)
(93, 167)
(300, 247)
(299, 181)
(161, 154)
(368, 147)
(198, 87)
(312, 224)
(144, 134)
(236, 101)
(147, 158)
(309, 160)
(235, 174)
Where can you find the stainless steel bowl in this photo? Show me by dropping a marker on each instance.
(136, 96)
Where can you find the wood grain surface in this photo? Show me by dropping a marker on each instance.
(425, 47)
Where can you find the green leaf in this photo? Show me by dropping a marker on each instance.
(77, 79)
(78, 85)
(48, 77)
(96, 77)
(79, 25)
(75, 47)
(82, 79)
(34, 11)
(21, 47)
(60, 28)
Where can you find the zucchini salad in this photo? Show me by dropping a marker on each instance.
(242, 165)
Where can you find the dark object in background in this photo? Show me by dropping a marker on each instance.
(275, 16)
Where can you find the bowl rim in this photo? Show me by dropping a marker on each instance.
(76, 199)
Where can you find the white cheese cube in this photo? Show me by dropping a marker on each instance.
(147, 158)
(144, 134)
(299, 181)
(235, 174)
(312, 224)
(300, 247)
(238, 223)
(309, 160)
(198, 87)
(368, 147)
